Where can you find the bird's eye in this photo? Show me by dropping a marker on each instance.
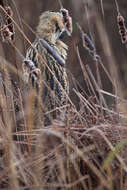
(62, 35)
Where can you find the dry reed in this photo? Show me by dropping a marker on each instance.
(85, 149)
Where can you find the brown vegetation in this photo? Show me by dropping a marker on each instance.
(86, 148)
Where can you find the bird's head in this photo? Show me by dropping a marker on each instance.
(52, 25)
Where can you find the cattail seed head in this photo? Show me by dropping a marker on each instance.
(6, 33)
(7, 29)
(122, 28)
(9, 21)
(9, 11)
(87, 43)
(67, 20)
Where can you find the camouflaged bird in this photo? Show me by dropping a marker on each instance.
(45, 63)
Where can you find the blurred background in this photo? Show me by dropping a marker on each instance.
(98, 19)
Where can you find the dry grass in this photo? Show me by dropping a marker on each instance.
(84, 149)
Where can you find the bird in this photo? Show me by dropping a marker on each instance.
(45, 61)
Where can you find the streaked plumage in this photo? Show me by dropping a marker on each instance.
(53, 80)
